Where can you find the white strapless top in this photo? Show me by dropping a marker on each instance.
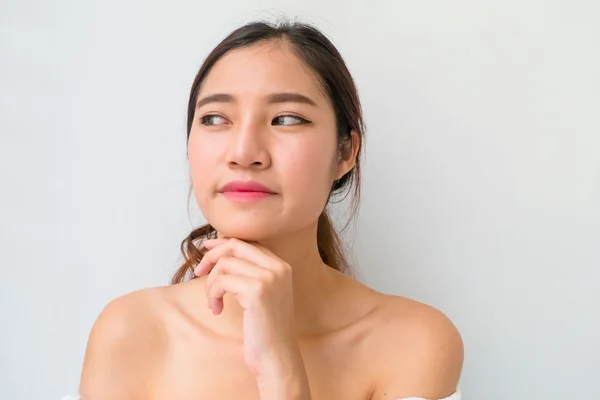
(454, 396)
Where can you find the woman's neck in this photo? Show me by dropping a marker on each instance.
(314, 282)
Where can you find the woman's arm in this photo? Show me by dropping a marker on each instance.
(116, 360)
(262, 284)
(284, 377)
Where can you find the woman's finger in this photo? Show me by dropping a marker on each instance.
(206, 263)
(222, 284)
(237, 266)
(210, 243)
(239, 249)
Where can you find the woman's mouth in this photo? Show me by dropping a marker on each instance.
(245, 191)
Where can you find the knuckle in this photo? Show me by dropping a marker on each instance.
(284, 269)
(217, 281)
(270, 277)
(258, 289)
(225, 259)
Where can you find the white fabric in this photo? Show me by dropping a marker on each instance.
(454, 396)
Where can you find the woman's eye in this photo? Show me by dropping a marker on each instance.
(209, 120)
(289, 120)
(285, 120)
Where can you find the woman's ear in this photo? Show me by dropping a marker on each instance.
(347, 154)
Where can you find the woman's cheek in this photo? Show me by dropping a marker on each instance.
(202, 172)
(308, 170)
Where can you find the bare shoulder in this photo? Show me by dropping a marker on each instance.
(124, 346)
(419, 348)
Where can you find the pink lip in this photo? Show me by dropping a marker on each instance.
(245, 191)
(246, 196)
(245, 186)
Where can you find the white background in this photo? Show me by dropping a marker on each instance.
(481, 179)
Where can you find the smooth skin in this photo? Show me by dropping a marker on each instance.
(266, 318)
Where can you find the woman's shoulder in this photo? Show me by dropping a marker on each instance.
(414, 317)
(126, 336)
(143, 310)
(425, 330)
(134, 310)
(149, 311)
(420, 347)
(398, 314)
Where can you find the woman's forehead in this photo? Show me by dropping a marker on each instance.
(261, 70)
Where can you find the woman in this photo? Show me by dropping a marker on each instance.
(264, 306)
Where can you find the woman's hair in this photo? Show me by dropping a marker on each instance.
(334, 79)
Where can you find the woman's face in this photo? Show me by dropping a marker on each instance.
(261, 117)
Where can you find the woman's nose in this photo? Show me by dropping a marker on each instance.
(249, 147)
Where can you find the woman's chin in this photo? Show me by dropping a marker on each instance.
(249, 234)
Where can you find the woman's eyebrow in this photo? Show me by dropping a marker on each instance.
(290, 97)
(284, 97)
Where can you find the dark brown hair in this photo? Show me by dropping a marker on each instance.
(319, 55)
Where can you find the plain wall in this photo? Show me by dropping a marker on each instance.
(481, 188)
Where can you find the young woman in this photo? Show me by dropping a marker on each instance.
(264, 306)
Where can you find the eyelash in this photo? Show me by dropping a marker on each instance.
(203, 120)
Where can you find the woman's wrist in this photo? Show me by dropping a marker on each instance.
(283, 377)
(278, 388)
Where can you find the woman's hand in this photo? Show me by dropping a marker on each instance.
(262, 284)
